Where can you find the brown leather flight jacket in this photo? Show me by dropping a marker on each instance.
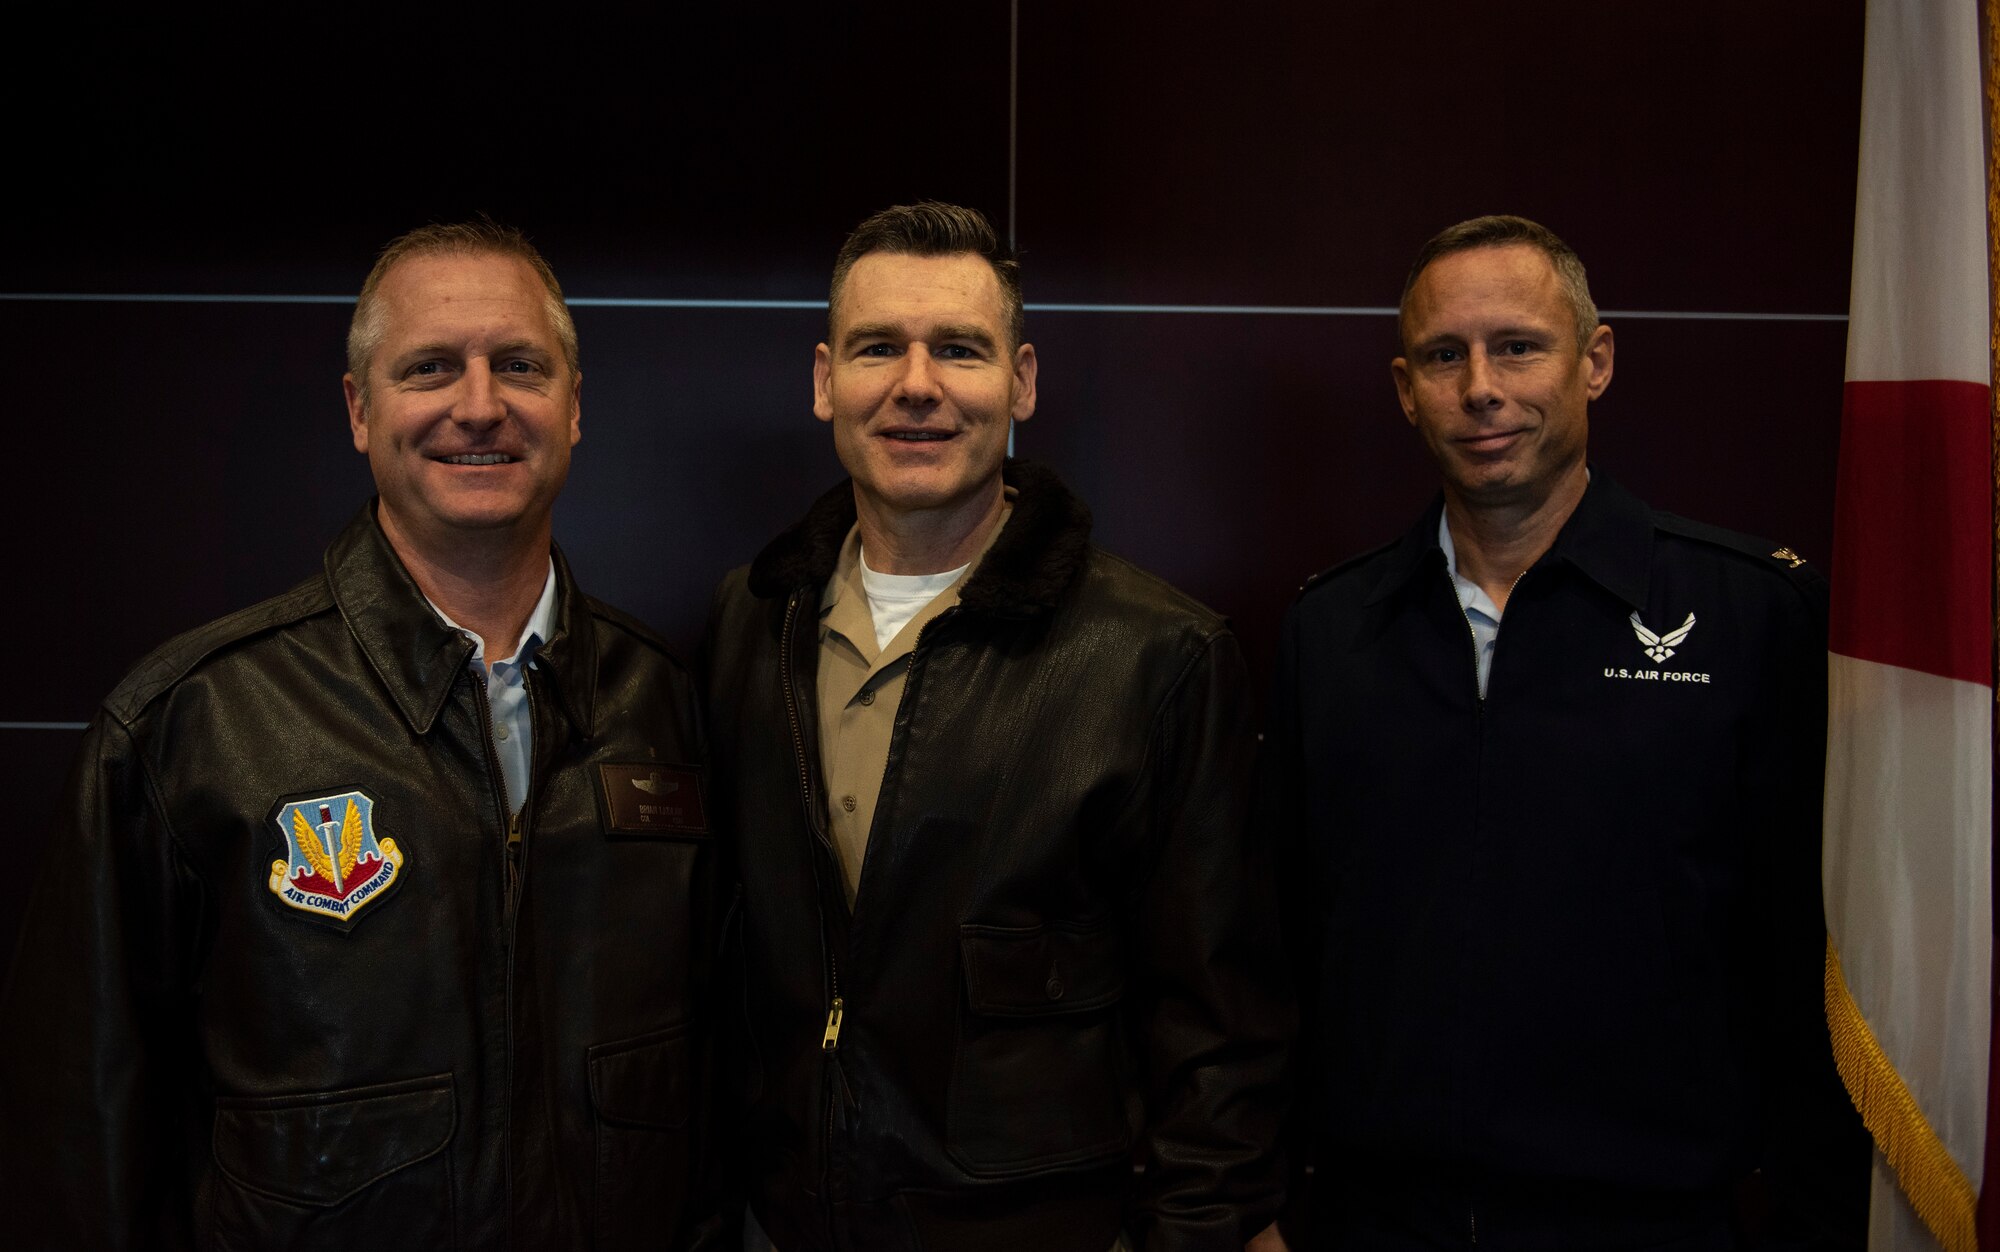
(1062, 957)
(484, 1050)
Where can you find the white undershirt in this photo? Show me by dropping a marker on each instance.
(893, 599)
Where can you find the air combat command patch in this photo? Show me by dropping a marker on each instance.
(334, 866)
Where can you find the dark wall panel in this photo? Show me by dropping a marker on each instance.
(1699, 156)
(178, 460)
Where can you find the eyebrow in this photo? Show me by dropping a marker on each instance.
(949, 331)
(1498, 332)
(520, 347)
(512, 347)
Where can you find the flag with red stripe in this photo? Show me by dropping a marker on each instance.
(1909, 801)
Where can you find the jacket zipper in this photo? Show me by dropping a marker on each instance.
(514, 823)
(836, 1006)
(513, 826)
(836, 1009)
(1471, 1210)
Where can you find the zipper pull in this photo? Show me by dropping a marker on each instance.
(513, 858)
(831, 1039)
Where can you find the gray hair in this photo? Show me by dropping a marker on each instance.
(480, 237)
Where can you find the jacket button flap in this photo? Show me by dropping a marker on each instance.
(323, 1148)
(1024, 971)
(643, 1081)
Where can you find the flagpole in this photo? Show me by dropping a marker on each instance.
(1989, 26)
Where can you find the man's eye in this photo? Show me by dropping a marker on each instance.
(957, 352)
(877, 349)
(426, 369)
(1517, 347)
(1445, 356)
(518, 366)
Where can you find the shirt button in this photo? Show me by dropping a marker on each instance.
(847, 802)
(1054, 987)
(502, 732)
(868, 696)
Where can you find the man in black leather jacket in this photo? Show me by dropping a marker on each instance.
(1005, 933)
(354, 935)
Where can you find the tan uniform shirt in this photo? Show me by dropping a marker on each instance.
(860, 688)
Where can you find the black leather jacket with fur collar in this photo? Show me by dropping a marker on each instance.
(1061, 956)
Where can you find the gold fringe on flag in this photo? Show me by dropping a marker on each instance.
(1937, 1188)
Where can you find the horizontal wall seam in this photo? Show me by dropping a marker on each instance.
(638, 302)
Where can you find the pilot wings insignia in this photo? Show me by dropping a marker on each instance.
(1660, 647)
(654, 785)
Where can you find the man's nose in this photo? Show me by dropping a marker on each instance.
(918, 382)
(1482, 385)
(479, 400)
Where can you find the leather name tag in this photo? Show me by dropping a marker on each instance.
(652, 799)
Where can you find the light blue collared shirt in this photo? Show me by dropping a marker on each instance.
(507, 690)
(1480, 612)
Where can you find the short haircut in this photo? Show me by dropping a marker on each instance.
(1499, 231)
(932, 228)
(481, 237)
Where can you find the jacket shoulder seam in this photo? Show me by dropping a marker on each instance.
(164, 667)
(629, 624)
(1354, 562)
(1205, 621)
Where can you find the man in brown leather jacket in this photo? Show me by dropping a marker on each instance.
(382, 910)
(1005, 934)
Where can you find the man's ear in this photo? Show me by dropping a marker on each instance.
(1597, 352)
(823, 383)
(1024, 382)
(1399, 369)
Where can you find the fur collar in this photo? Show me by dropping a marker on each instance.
(1025, 571)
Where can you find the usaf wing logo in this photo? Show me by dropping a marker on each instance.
(656, 785)
(1660, 647)
(334, 866)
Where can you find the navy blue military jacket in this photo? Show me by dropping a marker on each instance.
(1561, 946)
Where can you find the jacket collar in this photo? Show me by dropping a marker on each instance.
(1035, 559)
(1609, 538)
(417, 657)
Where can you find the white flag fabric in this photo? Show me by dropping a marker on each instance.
(1909, 800)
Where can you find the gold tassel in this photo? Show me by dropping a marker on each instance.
(1937, 1188)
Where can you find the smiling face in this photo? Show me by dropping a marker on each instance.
(920, 383)
(470, 408)
(1493, 377)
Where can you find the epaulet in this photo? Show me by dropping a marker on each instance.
(629, 624)
(1334, 571)
(1763, 553)
(177, 657)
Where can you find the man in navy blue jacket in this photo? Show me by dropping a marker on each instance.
(1557, 904)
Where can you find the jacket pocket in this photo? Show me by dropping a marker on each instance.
(1037, 1079)
(333, 1168)
(641, 1089)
